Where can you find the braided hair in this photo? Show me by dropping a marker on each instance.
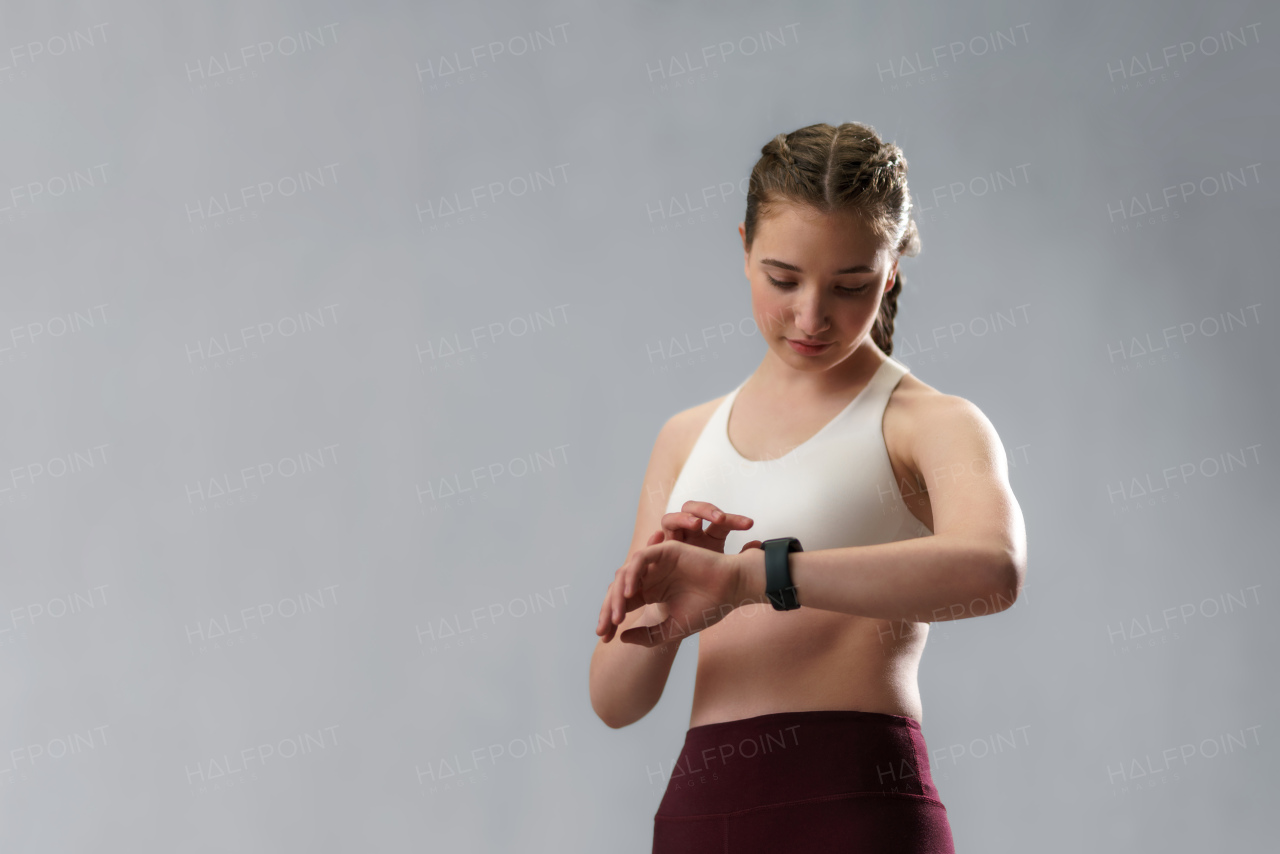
(845, 168)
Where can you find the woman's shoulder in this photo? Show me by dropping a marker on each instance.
(917, 410)
(914, 397)
(681, 431)
(916, 403)
(684, 427)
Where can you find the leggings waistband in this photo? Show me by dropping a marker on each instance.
(777, 758)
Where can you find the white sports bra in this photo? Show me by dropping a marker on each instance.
(835, 489)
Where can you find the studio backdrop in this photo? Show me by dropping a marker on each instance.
(335, 338)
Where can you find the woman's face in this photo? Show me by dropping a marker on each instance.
(815, 277)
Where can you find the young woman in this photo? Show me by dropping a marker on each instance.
(877, 505)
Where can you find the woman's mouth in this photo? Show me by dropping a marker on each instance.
(809, 348)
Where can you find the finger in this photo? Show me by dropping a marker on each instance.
(633, 585)
(603, 624)
(721, 523)
(610, 627)
(613, 614)
(728, 523)
(606, 609)
(679, 534)
(633, 580)
(615, 607)
(699, 510)
(714, 515)
(623, 585)
(754, 544)
(681, 521)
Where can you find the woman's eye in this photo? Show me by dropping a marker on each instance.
(787, 285)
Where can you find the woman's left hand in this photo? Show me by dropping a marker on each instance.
(698, 586)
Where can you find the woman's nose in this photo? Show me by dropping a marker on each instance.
(810, 314)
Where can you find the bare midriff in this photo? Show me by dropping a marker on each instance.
(758, 661)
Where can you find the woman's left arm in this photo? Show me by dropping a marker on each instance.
(973, 564)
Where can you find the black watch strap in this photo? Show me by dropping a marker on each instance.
(777, 572)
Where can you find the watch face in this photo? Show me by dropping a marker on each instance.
(793, 545)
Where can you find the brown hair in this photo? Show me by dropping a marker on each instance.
(846, 169)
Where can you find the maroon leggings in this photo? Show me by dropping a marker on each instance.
(813, 781)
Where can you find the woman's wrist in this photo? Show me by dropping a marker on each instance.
(750, 586)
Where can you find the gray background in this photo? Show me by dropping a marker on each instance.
(230, 557)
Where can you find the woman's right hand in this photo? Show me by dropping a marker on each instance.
(686, 526)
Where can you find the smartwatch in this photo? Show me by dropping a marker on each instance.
(777, 572)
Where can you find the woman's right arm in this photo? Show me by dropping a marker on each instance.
(627, 680)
